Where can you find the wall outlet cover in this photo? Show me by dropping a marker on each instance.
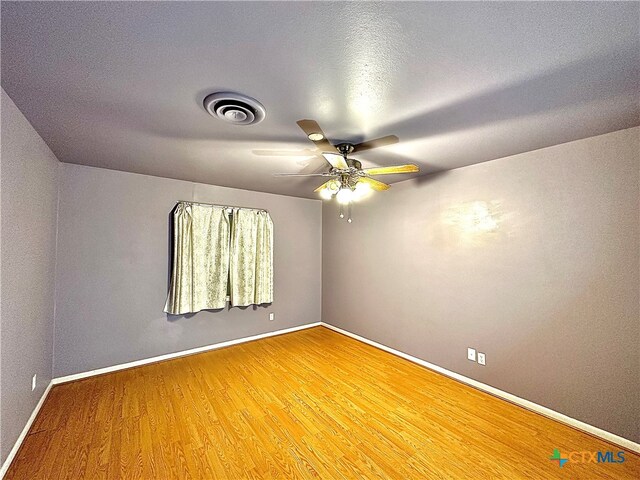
(482, 359)
(471, 354)
(34, 380)
(272, 316)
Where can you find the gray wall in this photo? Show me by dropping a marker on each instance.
(113, 261)
(550, 294)
(29, 189)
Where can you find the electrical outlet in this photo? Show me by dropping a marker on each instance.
(33, 382)
(272, 317)
(481, 359)
(471, 354)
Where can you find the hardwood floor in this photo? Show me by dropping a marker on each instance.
(309, 404)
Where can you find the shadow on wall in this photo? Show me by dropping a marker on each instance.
(187, 316)
(170, 245)
(430, 177)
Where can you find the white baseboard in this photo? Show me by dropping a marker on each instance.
(159, 358)
(547, 412)
(25, 431)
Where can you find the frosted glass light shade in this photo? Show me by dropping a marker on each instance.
(326, 194)
(345, 195)
(361, 191)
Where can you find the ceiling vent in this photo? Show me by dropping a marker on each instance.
(234, 108)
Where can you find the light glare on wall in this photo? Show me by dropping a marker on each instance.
(478, 218)
(472, 217)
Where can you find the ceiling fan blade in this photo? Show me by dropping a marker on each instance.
(336, 160)
(310, 127)
(307, 152)
(375, 184)
(410, 168)
(325, 174)
(378, 142)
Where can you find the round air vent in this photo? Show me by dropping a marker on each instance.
(234, 108)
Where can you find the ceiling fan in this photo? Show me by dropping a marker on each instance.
(348, 181)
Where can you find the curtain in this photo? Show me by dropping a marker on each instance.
(251, 265)
(216, 254)
(200, 267)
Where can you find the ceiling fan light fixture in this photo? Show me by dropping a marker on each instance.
(326, 193)
(362, 190)
(333, 187)
(350, 182)
(315, 137)
(344, 195)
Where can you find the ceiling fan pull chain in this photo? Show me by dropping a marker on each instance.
(341, 211)
(349, 212)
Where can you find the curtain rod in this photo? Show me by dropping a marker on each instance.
(222, 206)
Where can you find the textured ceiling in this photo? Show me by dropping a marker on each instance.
(120, 85)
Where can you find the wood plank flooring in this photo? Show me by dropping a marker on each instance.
(310, 404)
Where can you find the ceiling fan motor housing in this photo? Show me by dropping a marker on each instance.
(354, 163)
(234, 108)
(345, 148)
